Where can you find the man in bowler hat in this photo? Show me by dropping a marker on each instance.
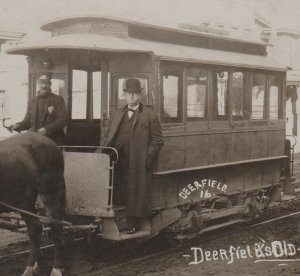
(136, 134)
(46, 112)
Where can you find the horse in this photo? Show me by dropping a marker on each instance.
(31, 165)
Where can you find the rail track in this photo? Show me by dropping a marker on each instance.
(141, 255)
(204, 240)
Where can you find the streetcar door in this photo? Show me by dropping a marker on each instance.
(85, 94)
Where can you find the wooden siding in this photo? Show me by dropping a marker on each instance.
(238, 178)
(172, 154)
(259, 144)
(271, 171)
(235, 178)
(220, 145)
(187, 151)
(276, 142)
(240, 147)
(196, 150)
(253, 176)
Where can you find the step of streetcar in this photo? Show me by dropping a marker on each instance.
(136, 235)
(143, 231)
(121, 223)
(113, 231)
(118, 208)
(120, 211)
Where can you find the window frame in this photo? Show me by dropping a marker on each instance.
(92, 94)
(112, 92)
(214, 100)
(60, 76)
(265, 117)
(87, 96)
(211, 120)
(280, 97)
(173, 70)
(89, 101)
(245, 97)
(195, 120)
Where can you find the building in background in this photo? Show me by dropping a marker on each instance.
(287, 51)
(9, 36)
(5, 37)
(284, 46)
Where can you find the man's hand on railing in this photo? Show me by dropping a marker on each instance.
(11, 128)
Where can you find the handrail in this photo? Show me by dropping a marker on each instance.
(3, 122)
(295, 140)
(292, 151)
(94, 147)
(219, 165)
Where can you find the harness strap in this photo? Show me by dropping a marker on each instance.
(43, 219)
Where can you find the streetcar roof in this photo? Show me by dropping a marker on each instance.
(48, 26)
(82, 42)
(164, 51)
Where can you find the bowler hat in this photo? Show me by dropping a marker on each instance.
(133, 86)
(45, 77)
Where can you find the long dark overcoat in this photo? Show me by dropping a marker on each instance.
(145, 143)
(53, 117)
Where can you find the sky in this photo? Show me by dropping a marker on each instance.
(28, 15)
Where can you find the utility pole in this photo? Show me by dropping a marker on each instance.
(2, 104)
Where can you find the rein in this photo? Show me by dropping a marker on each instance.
(45, 220)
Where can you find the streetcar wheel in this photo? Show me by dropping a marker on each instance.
(262, 199)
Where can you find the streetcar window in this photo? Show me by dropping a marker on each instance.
(258, 96)
(237, 87)
(79, 94)
(220, 94)
(196, 94)
(57, 86)
(274, 101)
(171, 100)
(96, 95)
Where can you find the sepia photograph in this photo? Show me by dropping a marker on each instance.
(149, 137)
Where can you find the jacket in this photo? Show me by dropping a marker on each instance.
(53, 117)
(145, 144)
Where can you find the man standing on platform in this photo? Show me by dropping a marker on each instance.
(136, 134)
(46, 113)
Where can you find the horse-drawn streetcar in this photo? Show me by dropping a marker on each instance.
(221, 102)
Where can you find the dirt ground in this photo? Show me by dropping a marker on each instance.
(177, 263)
(117, 259)
(284, 231)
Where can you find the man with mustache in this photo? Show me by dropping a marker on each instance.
(46, 112)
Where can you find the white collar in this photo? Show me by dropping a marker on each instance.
(134, 108)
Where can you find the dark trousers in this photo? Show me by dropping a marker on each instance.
(121, 177)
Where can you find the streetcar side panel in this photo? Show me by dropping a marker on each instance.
(244, 150)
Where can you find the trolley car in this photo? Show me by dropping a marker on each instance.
(221, 102)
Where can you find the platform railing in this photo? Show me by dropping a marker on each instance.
(292, 152)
